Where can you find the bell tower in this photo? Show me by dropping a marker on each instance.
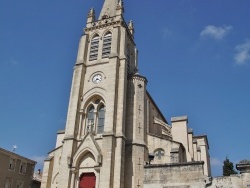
(114, 128)
(101, 130)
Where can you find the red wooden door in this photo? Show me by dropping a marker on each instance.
(87, 180)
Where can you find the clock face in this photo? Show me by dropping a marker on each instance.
(97, 78)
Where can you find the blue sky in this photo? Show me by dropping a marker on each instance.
(195, 55)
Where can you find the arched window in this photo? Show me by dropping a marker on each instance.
(101, 118)
(159, 153)
(90, 121)
(94, 45)
(106, 49)
(94, 117)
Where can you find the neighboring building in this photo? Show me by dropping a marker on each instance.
(37, 178)
(15, 171)
(115, 135)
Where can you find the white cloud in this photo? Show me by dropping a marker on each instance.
(215, 162)
(242, 54)
(215, 32)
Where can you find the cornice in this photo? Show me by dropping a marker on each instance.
(111, 21)
(69, 137)
(14, 155)
(136, 143)
(193, 163)
(104, 23)
(138, 77)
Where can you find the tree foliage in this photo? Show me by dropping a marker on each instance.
(228, 168)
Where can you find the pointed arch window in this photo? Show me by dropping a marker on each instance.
(94, 117)
(91, 118)
(94, 45)
(101, 118)
(106, 49)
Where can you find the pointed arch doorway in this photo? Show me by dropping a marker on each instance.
(87, 180)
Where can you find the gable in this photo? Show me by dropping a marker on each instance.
(88, 145)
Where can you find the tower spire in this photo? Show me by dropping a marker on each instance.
(109, 8)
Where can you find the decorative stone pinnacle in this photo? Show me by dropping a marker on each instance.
(91, 16)
(131, 24)
(131, 27)
(91, 12)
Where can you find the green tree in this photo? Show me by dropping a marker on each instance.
(228, 168)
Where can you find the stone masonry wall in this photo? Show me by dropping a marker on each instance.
(226, 182)
(233, 181)
(184, 175)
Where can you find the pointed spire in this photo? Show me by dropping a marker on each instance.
(108, 9)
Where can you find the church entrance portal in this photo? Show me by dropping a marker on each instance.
(87, 180)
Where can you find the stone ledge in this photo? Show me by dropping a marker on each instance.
(179, 118)
(61, 132)
(48, 158)
(243, 166)
(174, 164)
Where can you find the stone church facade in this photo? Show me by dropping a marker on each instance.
(115, 135)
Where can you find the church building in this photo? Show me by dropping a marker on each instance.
(115, 135)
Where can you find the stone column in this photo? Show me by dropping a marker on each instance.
(73, 180)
